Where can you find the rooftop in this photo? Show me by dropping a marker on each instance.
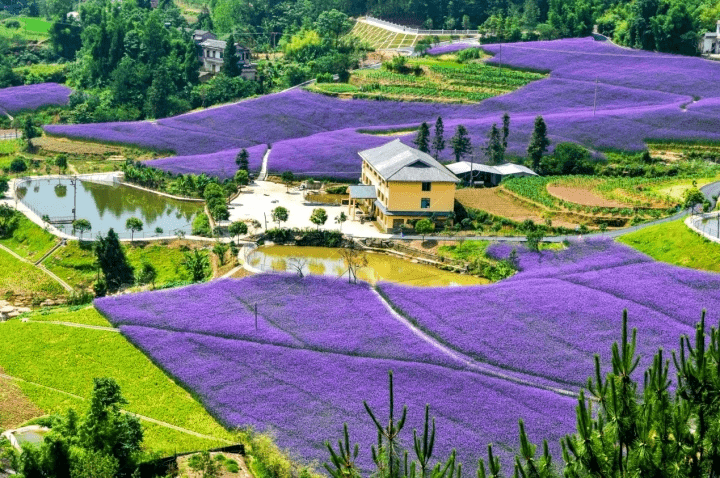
(396, 161)
(506, 169)
(362, 192)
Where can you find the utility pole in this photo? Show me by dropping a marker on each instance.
(595, 99)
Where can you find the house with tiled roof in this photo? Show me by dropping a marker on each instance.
(400, 185)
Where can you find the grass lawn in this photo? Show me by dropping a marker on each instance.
(79, 315)
(29, 240)
(68, 358)
(674, 243)
(19, 277)
(75, 262)
(37, 25)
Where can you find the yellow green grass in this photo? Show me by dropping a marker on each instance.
(29, 240)
(20, 277)
(75, 262)
(86, 315)
(68, 358)
(35, 29)
(673, 242)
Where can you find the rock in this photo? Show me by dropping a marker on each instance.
(7, 309)
(14, 314)
(23, 310)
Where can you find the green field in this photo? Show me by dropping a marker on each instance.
(29, 240)
(443, 79)
(19, 277)
(34, 29)
(75, 262)
(68, 358)
(674, 243)
(380, 38)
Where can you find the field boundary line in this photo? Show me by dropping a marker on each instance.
(467, 361)
(48, 253)
(74, 324)
(137, 415)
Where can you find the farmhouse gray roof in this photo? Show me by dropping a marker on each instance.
(214, 44)
(463, 167)
(362, 192)
(396, 161)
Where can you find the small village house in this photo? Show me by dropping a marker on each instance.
(401, 185)
(211, 52)
(488, 175)
(711, 41)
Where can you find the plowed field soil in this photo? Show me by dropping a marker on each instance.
(15, 407)
(582, 196)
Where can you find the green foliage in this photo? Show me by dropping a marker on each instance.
(113, 262)
(319, 217)
(539, 143)
(205, 465)
(18, 165)
(568, 158)
(197, 264)
(230, 66)
(237, 229)
(81, 225)
(220, 249)
(280, 214)
(337, 190)
(424, 227)
(438, 144)
(242, 160)
(460, 143)
(242, 178)
(692, 197)
(422, 139)
(147, 274)
(495, 151)
(201, 226)
(133, 224)
(305, 237)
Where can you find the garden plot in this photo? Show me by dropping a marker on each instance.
(582, 196)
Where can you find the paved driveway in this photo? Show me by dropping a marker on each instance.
(259, 199)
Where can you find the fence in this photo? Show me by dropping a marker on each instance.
(418, 31)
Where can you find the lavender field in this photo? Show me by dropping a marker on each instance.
(640, 96)
(321, 345)
(32, 97)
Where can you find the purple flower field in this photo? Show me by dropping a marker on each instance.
(32, 97)
(640, 96)
(322, 345)
(221, 164)
(451, 48)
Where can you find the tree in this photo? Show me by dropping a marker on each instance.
(340, 219)
(30, 131)
(231, 66)
(424, 226)
(495, 151)
(8, 220)
(460, 143)
(319, 217)
(4, 185)
(354, 259)
(196, 263)
(17, 166)
(81, 225)
(220, 212)
(238, 229)
(333, 23)
(279, 214)
(287, 177)
(133, 224)
(422, 139)
(692, 197)
(242, 178)
(220, 249)
(439, 139)
(505, 130)
(113, 263)
(147, 275)
(568, 158)
(539, 142)
(61, 162)
(242, 160)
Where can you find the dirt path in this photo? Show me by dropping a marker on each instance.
(464, 359)
(75, 324)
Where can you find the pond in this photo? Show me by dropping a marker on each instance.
(381, 267)
(108, 206)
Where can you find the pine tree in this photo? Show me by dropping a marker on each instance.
(538, 143)
(230, 59)
(422, 140)
(112, 261)
(495, 151)
(242, 160)
(439, 139)
(460, 143)
(505, 130)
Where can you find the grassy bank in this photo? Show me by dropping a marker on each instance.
(674, 243)
(29, 240)
(17, 277)
(68, 358)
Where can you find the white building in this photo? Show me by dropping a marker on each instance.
(711, 41)
(488, 175)
(211, 53)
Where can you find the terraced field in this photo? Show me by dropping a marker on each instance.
(380, 38)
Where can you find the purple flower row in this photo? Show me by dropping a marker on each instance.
(32, 97)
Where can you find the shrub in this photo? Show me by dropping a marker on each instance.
(18, 166)
(201, 225)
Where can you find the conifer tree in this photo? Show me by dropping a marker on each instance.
(505, 130)
(422, 140)
(495, 151)
(230, 59)
(538, 143)
(242, 160)
(460, 143)
(112, 261)
(439, 139)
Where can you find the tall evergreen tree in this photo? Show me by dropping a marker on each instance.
(495, 151)
(505, 130)
(539, 142)
(460, 143)
(113, 263)
(439, 139)
(422, 140)
(230, 59)
(242, 160)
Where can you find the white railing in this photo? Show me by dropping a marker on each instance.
(417, 31)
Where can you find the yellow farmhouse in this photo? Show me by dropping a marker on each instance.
(401, 185)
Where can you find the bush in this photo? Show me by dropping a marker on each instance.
(18, 166)
(324, 78)
(201, 226)
(337, 190)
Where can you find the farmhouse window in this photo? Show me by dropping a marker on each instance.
(426, 186)
(424, 203)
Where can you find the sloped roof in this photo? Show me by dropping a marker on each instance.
(209, 43)
(362, 192)
(506, 169)
(396, 161)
